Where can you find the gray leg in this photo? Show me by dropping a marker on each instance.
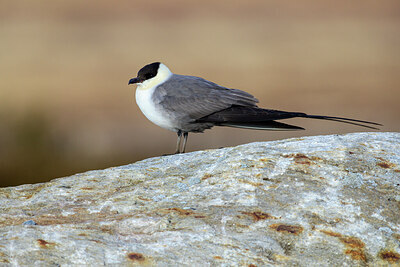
(178, 142)
(185, 137)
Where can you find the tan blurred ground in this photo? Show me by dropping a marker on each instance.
(65, 105)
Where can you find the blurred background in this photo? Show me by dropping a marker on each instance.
(65, 103)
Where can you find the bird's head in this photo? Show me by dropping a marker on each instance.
(151, 74)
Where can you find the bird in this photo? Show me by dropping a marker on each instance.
(185, 104)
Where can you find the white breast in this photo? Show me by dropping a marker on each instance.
(153, 113)
(144, 100)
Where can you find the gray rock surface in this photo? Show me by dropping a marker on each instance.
(314, 201)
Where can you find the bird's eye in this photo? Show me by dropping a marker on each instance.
(149, 75)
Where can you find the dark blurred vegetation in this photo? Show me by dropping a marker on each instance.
(32, 151)
(65, 106)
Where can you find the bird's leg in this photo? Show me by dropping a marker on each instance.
(178, 142)
(185, 137)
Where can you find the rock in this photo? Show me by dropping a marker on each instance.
(29, 222)
(313, 201)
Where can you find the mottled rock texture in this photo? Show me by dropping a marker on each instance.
(314, 201)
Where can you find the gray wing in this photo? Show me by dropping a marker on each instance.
(194, 97)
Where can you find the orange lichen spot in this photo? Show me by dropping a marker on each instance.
(389, 256)
(239, 225)
(330, 233)
(258, 215)
(44, 244)
(182, 211)
(87, 188)
(2, 258)
(301, 158)
(385, 164)
(356, 254)
(354, 246)
(352, 242)
(396, 235)
(291, 229)
(252, 265)
(206, 176)
(218, 257)
(143, 198)
(134, 256)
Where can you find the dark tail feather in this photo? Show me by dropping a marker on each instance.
(265, 125)
(258, 118)
(344, 120)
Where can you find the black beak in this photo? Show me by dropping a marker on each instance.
(133, 80)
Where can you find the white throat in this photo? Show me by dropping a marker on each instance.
(163, 74)
(145, 102)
